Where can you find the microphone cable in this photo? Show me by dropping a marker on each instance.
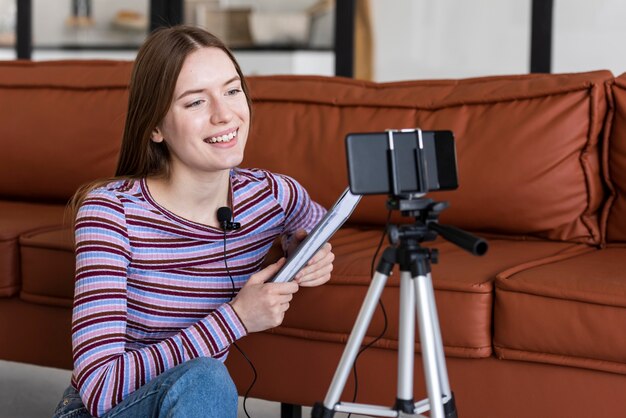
(382, 308)
(232, 296)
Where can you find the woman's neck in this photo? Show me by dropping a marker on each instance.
(193, 197)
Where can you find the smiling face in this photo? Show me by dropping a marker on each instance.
(206, 126)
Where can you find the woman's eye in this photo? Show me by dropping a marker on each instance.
(194, 104)
(232, 92)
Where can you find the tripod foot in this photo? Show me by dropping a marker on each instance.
(449, 408)
(320, 411)
(404, 405)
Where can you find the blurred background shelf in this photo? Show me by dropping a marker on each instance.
(267, 36)
(253, 61)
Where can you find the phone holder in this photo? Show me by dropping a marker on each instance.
(421, 179)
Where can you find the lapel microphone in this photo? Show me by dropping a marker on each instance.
(224, 216)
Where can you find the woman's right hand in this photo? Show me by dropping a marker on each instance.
(261, 305)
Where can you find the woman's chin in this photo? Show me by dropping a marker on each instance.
(231, 162)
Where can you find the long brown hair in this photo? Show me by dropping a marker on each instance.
(151, 91)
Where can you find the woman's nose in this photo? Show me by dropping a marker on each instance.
(220, 112)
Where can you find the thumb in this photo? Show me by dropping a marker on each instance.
(267, 273)
(301, 234)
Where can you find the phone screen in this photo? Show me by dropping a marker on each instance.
(418, 169)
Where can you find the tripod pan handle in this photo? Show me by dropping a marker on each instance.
(465, 240)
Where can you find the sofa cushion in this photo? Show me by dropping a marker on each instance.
(536, 132)
(17, 218)
(64, 128)
(615, 162)
(569, 312)
(463, 286)
(47, 259)
(463, 283)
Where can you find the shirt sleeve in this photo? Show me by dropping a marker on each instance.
(300, 211)
(105, 372)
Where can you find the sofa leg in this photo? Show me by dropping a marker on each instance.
(289, 410)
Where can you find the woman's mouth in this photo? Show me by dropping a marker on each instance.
(221, 138)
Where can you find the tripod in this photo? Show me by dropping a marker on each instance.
(416, 296)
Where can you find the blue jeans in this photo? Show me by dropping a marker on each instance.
(200, 387)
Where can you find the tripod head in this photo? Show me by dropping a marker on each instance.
(427, 227)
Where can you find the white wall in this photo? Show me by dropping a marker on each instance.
(417, 39)
(589, 35)
(450, 38)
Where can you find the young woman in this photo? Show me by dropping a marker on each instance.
(159, 298)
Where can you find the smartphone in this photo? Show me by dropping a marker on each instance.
(398, 162)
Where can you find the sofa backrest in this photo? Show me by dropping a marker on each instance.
(60, 125)
(615, 163)
(527, 146)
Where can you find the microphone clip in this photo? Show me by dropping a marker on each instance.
(224, 216)
(230, 226)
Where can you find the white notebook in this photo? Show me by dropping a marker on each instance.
(326, 227)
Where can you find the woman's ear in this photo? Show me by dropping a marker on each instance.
(156, 135)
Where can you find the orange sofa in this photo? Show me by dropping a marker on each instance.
(535, 328)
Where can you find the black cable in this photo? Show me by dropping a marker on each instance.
(232, 282)
(232, 296)
(245, 396)
(382, 307)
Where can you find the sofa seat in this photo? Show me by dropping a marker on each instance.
(568, 311)
(47, 261)
(463, 287)
(17, 218)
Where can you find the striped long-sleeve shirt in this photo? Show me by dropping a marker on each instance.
(151, 288)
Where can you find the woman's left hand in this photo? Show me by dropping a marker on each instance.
(317, 270)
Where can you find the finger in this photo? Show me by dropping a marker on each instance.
(316, 282)
(314, 275)
(267, 273)
(284, 299)
(300, 234)
(295, 240)
(321, 262)
(323, 252)
(286, 288)
(309, 269)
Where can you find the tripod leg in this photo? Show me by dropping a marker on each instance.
(427, 341)
(354, 342)
(406, 344)
(449, 407)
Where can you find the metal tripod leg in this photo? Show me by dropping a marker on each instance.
(428, 342)
(406, 344)
(441, 359)
(354, 341)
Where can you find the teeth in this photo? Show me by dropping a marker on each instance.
(222, 138)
